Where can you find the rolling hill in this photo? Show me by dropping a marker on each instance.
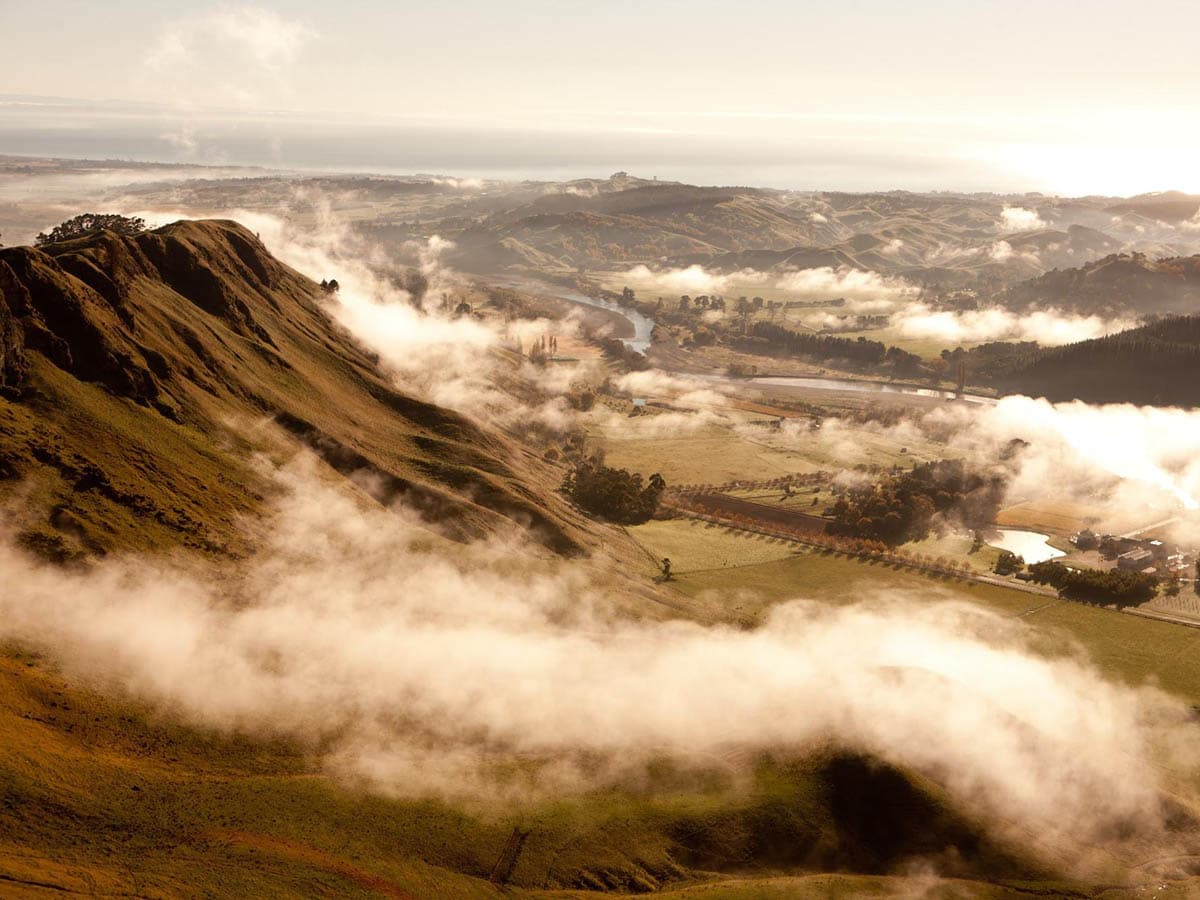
(1119, 283)
(1167, 206)
(940, 240)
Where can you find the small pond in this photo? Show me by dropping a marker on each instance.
(1030, 545)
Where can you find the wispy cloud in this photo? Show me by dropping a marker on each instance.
(231, 56)
(261, 36)
(1018, 218)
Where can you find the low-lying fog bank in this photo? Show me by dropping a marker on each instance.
(488, 675)
(869, 293)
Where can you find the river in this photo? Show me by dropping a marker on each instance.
(643, 326)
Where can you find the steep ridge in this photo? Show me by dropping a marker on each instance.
(133, 368)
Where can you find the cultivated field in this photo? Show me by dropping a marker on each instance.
(748, 448)
(710, 455)
(694, 546)
(927, 347)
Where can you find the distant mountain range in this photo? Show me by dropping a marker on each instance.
(986, 242)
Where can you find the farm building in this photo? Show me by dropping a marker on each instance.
(1136, 560)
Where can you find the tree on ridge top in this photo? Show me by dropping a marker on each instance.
(89, 223)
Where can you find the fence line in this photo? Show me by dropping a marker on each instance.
(823, 541)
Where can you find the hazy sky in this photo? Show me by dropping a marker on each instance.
(1063, 96)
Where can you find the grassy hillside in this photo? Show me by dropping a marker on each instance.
(102, 795)
(138, 371)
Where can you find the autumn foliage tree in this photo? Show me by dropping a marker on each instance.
(903, 507)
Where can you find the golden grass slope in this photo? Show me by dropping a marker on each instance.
(138, 372)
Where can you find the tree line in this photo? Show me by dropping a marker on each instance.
(768, 338)
(1103, 586)
(1155, 363)
(90, 223)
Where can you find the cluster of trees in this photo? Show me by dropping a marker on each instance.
(89, 223)
(903, 507)
(686, 302)
(703, 302)
(1103, 586)
(615, 494)
(767, 337)
(1009, 563)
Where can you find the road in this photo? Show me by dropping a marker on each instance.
(1163, 524)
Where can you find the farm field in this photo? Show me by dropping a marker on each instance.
(1132, 648)
(694, 546)
(710, 455)
(837, 579)
(838, 444)
(957, 546)
(1128, 647)
(749, 449)
(1064, 518)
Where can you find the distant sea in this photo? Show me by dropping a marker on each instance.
(70, 129)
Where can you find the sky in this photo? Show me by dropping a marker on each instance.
(1066, 97)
